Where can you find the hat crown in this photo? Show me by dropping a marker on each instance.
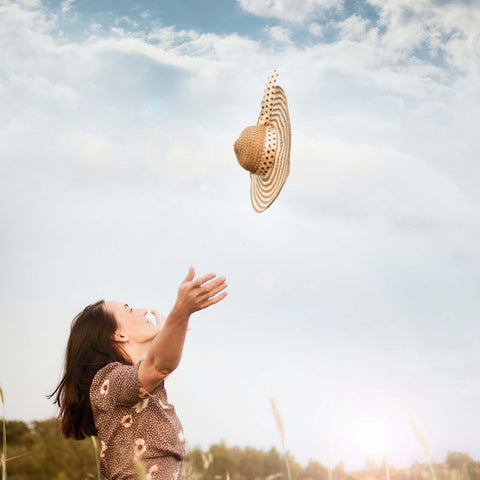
(249, 147)
(264, 149)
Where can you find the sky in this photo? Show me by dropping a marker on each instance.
(353, 300)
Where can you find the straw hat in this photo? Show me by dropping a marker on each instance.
(264, 149)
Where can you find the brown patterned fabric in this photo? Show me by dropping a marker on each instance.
(134, 423)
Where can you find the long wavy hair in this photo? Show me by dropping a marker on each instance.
(90, 347)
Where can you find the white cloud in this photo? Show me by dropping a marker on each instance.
(38, 87)
(126, 21)
(25, 36)
(181, 151)
(89, 150)
(29, 3)
(67, 5)
(287, 10)
(316, 29)
(452, 28)
(354, 28)
(201, 54)
(364, 66)
(403, 97)
(279, 34)
(369, 181)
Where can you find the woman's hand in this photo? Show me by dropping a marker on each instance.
(165, 352)
(198, 293)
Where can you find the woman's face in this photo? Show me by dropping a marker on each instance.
(133, 325)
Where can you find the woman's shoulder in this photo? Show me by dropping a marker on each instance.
(110, 367)
(107, 369)
(117, 383)
(100, 380)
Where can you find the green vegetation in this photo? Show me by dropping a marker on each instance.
(37, 451)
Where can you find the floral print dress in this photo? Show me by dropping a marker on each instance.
(133, 423)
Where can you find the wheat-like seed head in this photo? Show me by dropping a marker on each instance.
(424, 445)
(278, 418)
(421, 439)
(281, 429)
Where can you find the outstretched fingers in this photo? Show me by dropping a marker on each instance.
(214, 293)
(214, 287)
(204, 279)
(198, 293)
(214, 300)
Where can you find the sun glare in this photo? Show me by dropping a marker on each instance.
(371, 438)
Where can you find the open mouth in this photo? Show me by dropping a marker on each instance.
(150, 318)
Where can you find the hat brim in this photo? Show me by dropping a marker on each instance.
(265, 189)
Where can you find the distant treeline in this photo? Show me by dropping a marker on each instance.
(37, 451)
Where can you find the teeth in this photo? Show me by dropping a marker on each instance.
(151, 318)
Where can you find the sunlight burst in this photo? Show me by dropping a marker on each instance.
(371, 438)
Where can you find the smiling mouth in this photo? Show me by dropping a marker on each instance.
(150, 319)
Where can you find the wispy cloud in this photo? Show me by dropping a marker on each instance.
(67, 5)
(288, 10)
(279, 34)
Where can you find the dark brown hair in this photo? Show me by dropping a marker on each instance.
(90, 347)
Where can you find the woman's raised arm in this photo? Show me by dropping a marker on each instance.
(166, 349)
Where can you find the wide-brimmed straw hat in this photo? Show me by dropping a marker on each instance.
(264, 149)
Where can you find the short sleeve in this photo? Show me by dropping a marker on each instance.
(116, 384)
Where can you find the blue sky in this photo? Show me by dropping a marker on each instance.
(353, 299)
(207, 17)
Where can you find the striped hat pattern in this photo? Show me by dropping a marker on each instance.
(264, 149)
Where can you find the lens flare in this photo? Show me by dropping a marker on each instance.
(372, 438)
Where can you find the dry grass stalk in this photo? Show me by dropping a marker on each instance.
(356, 476)
(281, 429)
(140, 467)
(20, 455)
(190, 473)
(424, 444)
(207, 459)
(421, 439)
(278, 419)
(97, 455)
(4, 443)
(329, 456)
(274, 476)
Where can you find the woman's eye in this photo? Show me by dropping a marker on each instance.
(131, 309)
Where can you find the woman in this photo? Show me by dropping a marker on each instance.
(113, 384)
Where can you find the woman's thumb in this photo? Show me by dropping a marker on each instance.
(190, 275)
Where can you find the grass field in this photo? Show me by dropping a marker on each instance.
(37, 451)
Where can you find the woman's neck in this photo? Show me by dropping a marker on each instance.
(136, 351)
